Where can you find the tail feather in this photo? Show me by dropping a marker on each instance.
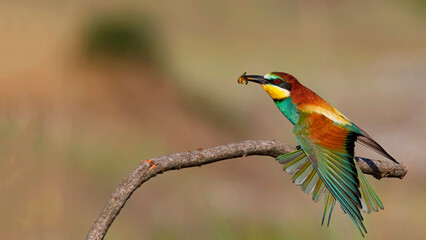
(370, 201)
(319, 190)
(369, 142)
(329, 202)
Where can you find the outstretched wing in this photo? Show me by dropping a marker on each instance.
(330, 149)
(305, 175)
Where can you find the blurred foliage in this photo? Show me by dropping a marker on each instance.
(421, 3)
(122, 35)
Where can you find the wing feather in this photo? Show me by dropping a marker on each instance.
(330, 148)
(305, 175)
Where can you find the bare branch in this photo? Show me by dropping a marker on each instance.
(150, 168)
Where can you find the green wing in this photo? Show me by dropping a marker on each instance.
(306, 176)
(337, 171)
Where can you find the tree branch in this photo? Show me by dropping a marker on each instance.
(150, 168)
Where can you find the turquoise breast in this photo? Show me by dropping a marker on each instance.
(288, 109)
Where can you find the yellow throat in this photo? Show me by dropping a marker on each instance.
(275, 92)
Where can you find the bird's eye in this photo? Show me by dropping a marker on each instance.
(277, 81)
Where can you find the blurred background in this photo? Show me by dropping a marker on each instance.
(88, 90)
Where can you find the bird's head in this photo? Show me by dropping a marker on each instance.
(277, 84)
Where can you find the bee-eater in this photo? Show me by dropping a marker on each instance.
(325, 164)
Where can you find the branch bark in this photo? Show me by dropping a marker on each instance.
(150, 168)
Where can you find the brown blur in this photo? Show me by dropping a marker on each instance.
(88, 90)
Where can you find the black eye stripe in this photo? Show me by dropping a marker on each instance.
(285, 85)
(282, 84)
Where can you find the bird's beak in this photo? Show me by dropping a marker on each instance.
(255, 78)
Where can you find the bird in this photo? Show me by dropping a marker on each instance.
(324, 163)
